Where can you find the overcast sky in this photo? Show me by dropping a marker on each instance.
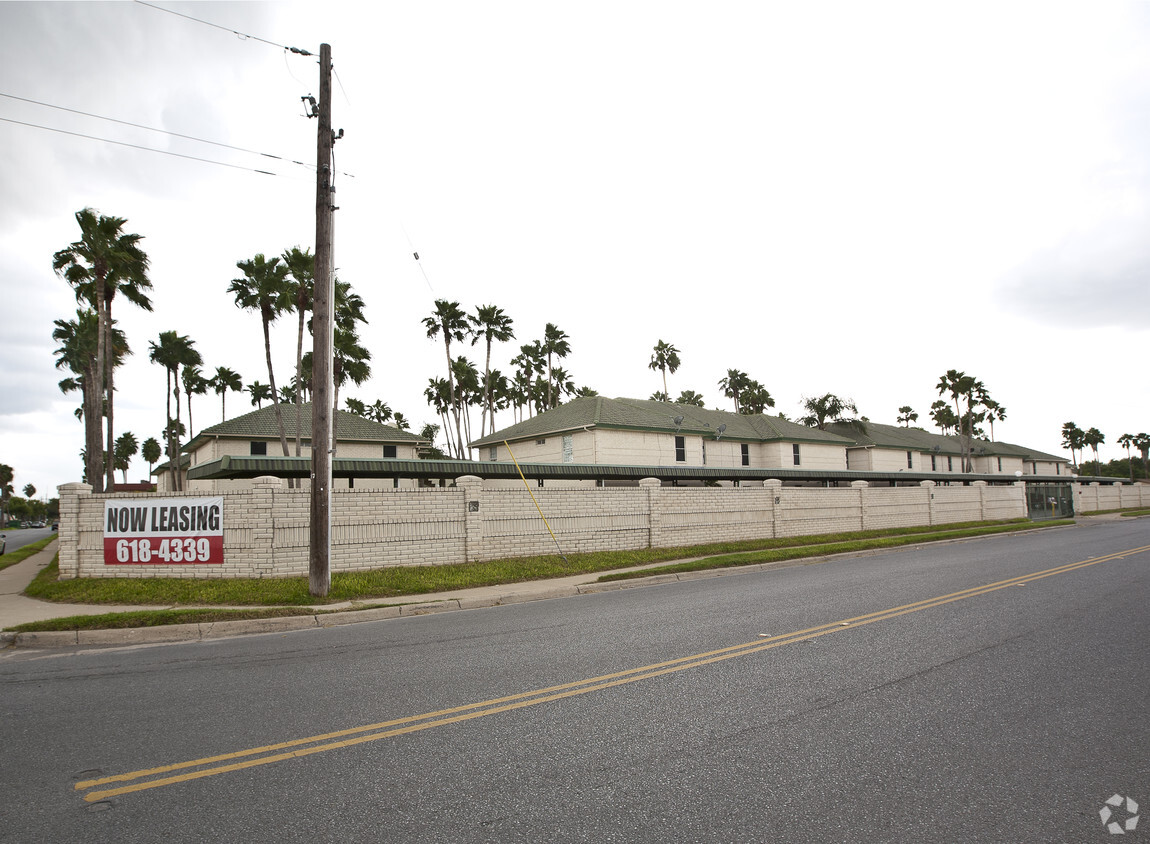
(833, 197)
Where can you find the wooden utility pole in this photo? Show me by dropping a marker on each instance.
(319, 557)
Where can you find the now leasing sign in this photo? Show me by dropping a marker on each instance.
(164, 531)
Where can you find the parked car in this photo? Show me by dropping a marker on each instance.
(55, 525)
(3, 542)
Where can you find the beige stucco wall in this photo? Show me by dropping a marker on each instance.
(266, 525)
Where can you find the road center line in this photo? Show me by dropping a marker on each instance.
(298, 748)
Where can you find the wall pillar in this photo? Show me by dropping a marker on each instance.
(775, 487)
(861, 486)
(654, 510)
(981, 499)
(472, 488)
(928, 490)
(69, 530)
(261, 516)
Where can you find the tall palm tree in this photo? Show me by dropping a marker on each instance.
(1094, 438)
(665, 357)
(1127, 441)
(529, 363)
(150, 451)
(259, 393)
(906, 415)
(77, 353)
(103, 261)
(451, 321)
(1073, 438)
(263, 288)
(225, 379)
(172, 352)
(467, 393)
(555, 345)
(400, 421)
(755, 398)
(733, 385)
(1142, 443)
(300, 292)
(994, 410)
(438, 395)
(491, 323)
(194, 384)
(126, 448)
(690, 397)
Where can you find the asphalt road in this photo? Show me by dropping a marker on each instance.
(20, 538)
(833, 702)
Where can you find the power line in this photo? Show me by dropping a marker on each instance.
(138, 146)
(298, 50)
(153, 129)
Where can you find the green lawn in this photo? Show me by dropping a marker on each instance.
(21, 554)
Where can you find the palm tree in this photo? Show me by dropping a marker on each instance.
(259, 393)
(690, 397)
(1094, 438)
(379, 411)
(994, 410)
(451, 321)
(172, 352)
(225, 379)
(126, 448)
(555, 345)
(467, 393)
(733, 385)
(194, 384)
(906, 415)
(29, 490)
(438, 397)
(491, 323)
(665, 357)
(300, 291)
(355, 406)
(754, 398)
(962, 386)
(103, 261)
(401, 421)
(530, 363)
(263, 288)
(828, 408)
(150, 451)
(1127, 441)
(659, 396)
(1073, 438)
(1142, 443)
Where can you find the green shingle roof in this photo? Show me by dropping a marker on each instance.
(917, 439)
(646, 415)
(261, 424)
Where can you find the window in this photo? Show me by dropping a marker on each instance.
(260, 448)
(1000, 464)
(681, 449)
(910, 460)
(389, 451)
(745, 448)
(568, 448)
(1057, 468)
(541, 442)
(795, 450)
(493, 453)
(950, 464)
(933, 464)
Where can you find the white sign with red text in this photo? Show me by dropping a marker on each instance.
(164, 531)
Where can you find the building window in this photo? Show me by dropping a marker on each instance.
(745, 448)
(389, 451)
(493, 453)
(541, 442)
(950, 464)
(1057, 469)
(681, 449)
(910, 460)
(795, 451)
(351, 483)
(933, 464)
(1000, 464)
(260, 449)
(568, 448)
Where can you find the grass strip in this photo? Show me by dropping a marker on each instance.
(155, 618)
(22, 554)
(783, 554)
(418, 580)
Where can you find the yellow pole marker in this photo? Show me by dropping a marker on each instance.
(536, 503)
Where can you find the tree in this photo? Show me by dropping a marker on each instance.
(438, 397)
(6, 477)
(299, 290)
(450, 321)
(829, 408)
(263, 288)
(665, 358)
(555, 345)
(961, 387)
(530, 363)
(659, 396)
(259, 393)
(906, 415)
(125, 450)
(356, 406)
(1127, 441)
(401, 422)
(103, 261)
(1094, 438)
(733, 385)
(379, 412)
(150, 451)
(225, 379)
(994, 411)
(943, 416)
(172, 352)
(1142, 443)
(490, 323)
(431, 451)
(194, 384)
(350, 358)
(1073, 438)
(467, 393)
(29, 491)
(690, 397)
(754, 399)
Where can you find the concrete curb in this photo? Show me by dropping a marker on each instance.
(522, 593)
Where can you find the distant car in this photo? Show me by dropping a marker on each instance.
(55, 525)
(3, 542)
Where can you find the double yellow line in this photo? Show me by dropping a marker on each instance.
(225, 763)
